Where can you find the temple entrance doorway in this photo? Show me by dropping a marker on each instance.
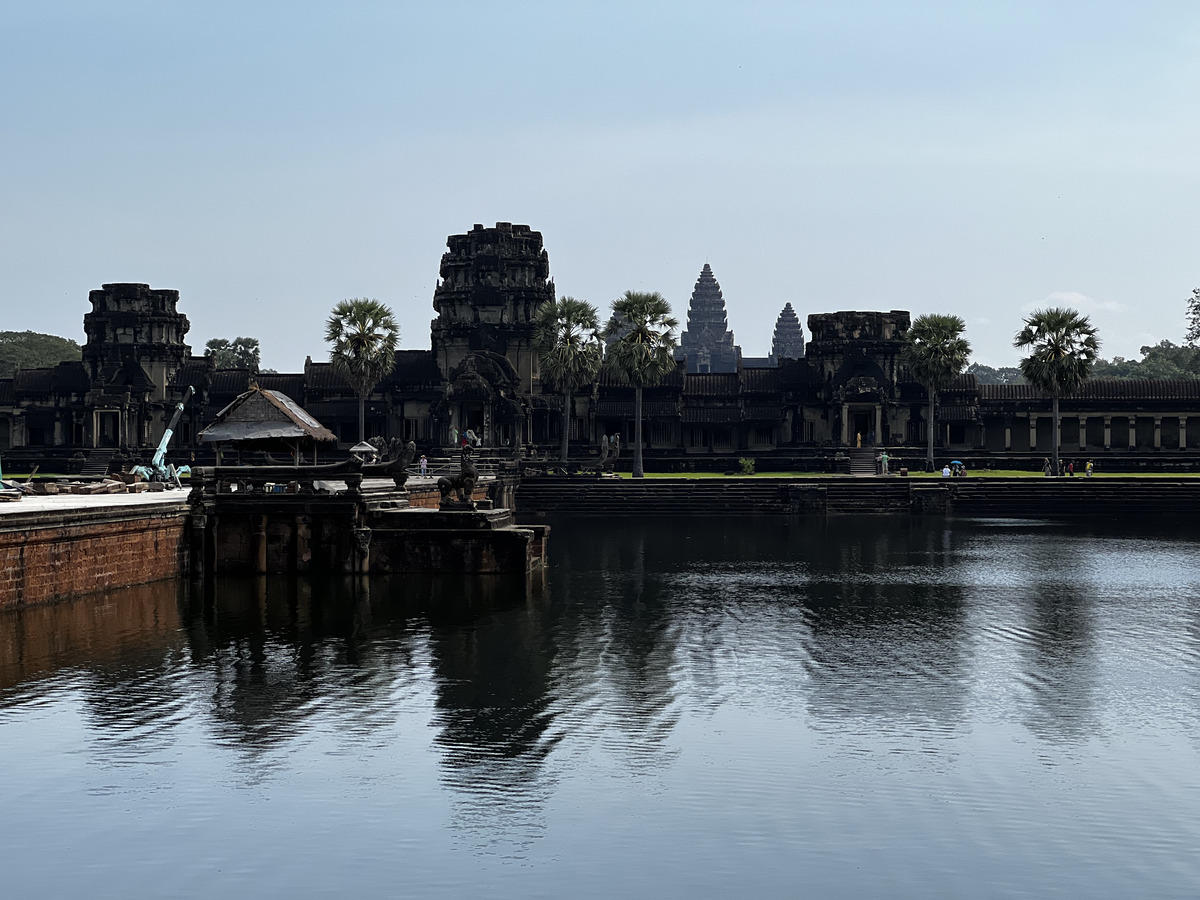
(108, 428)
(470, 418)
(863, 420)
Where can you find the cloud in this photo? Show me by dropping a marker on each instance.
(1075, 300)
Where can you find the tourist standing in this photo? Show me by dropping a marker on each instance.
(1087, 470)
(1046, 469)
(453, 436)
(883, 458)
(424, 465)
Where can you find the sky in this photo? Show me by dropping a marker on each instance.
(267, 159)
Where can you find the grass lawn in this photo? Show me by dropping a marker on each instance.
(973, 473)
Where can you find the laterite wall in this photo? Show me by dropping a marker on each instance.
(53, 556)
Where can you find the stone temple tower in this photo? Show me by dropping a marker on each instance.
(135, 343)
(788, 342)
(493, 282)
(707, 343)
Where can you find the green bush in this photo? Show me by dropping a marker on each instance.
(747, 466)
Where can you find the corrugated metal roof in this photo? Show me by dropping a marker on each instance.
(260, 414)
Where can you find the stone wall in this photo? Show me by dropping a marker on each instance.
(52, 556)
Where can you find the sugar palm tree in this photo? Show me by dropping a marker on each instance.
(935, 353)
(1062, 348)
(641, 350)
(363, 333)
(569, 351)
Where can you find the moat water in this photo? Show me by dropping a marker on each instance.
(851, 708)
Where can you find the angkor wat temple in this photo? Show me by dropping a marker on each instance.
(805, 401)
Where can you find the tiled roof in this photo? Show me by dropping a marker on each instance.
(33, 382)
(716, 415)
(6, 390)
(196, 372)
(764, 411)
(624, 409)
(1116, 389)
(289, 383)
(322, 378)
(724, 385)
(760, 380)
(229, 382)
(414, 367)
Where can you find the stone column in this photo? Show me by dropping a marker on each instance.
(1008, 433)
(1183, 432)
(1032, 432)
(1132, 432)
(878, 423)
(1107, 432)
(259, 526)
(845, 424)
(1158, 432)
(303, 542)
(1083, 432)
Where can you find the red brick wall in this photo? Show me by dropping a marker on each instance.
(58, 557)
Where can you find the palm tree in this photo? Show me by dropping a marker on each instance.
(641, 350)
(1063, 346)
(363, 333)
(935, 353)
(569, 351)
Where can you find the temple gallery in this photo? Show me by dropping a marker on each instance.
(841, 385)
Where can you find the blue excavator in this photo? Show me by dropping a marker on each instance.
(159, 469)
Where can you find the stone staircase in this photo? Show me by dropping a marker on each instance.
(97, 463)
(862, 462)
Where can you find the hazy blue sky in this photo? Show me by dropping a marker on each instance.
(270, 159)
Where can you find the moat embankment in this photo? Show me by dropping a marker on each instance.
(57, 547)
(1109, 497)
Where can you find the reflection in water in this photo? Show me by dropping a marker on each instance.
(723, 668)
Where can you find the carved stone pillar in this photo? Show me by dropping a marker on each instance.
(845, 424)
(362, 551)
(1032, 432)
(1007, 433)
(1132, 432)
(1158, 432)
(1083, 432)
(1183, 432)
(1108, 432)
